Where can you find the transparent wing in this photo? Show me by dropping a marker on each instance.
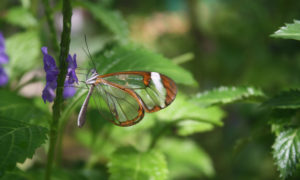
(124, 104)
(155, 90)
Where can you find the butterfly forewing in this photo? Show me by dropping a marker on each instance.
(155, 90)
(124, 105)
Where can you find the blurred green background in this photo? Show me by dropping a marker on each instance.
(221, 42)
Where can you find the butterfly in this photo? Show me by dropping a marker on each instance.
(128, 95)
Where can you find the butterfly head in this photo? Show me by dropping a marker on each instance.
(91, 77)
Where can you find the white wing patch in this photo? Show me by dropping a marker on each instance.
(155, 77)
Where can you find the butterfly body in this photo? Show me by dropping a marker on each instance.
(128, 95)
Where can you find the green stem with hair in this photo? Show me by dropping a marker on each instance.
(64, 51)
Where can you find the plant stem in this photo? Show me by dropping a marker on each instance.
(64, 51)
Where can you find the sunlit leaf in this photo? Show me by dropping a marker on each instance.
(18, 141)
(111, 19)
(287, 151)
(186, 159)
(225, 95)
(285, 100)
(21, 17)
(132, 58)
(127, 163)
(189, 127)
(183, 109)
(289, 31)
(23, 50)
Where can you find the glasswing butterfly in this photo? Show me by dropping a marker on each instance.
(128, 95)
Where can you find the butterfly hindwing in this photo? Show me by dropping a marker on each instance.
(124, 104)
(156, 91)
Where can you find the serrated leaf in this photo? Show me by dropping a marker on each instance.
(225, 95)
(111, 19)
(18, 141)
(128, 163)
(183, 109)
(19, 108)
(23, 50)
(186, 159)
(21, 17)
(132, 58)
(289, 31)
(189, 127)
(287, 151)
(285, 100)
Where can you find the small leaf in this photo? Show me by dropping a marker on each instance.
(127, 163)
(289, 31)
(186, 159)
(18, 141)
(285, 100)
(287, 151)
(189, 127)
(23, 50)
(131, 58)
(111, 19)
(225, 95)
(21, 17)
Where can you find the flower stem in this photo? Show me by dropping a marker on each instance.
(64, 51)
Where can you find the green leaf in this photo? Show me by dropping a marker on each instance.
(130, 57)
(225, 95)
(127, 163)
(18, 141)
(27, 19)
(289, 31)
(23, 50)
(287, 151)
(182, 109)
(186, 159)
(72, 105)
(189, 127)
(111, 19)
(19, 108)
(285, 100)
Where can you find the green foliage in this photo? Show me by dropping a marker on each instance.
(225, 95)
(128, 163)
(183, 109)
(27, 20)
(189, 127)
(23, 50)
(19, 108)
(289, 31)
(111, 19)
(287, 151)
(130, 57)
(18, 141)
(285, 100)
(186, 159)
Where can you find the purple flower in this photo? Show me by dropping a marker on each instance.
(72, 65)
(3, 77)
(52, 74)
(69, 90)
(3, 56)
(3, 60)
(48, 93)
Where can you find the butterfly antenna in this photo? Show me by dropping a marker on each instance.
(88, 50)
(86, 53)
